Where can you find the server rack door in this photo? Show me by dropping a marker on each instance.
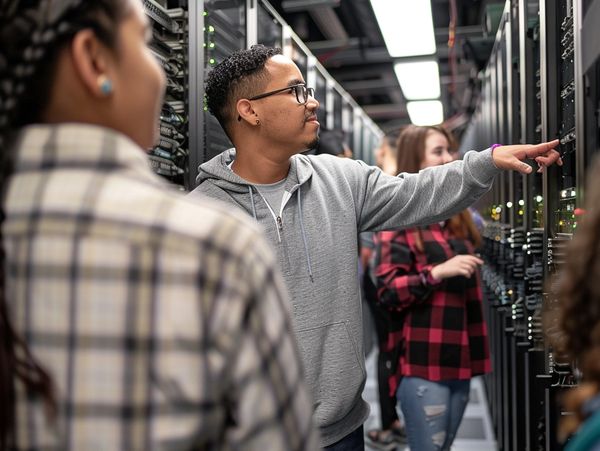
(224, 32)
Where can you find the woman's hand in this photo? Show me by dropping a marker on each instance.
(459, 265)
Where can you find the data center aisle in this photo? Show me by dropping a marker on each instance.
(475, 433)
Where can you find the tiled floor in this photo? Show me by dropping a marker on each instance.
(475, 432)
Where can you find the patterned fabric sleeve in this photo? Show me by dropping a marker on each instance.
(271, 406)
(399, 283)
(164, 324)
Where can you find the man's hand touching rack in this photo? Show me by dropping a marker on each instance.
(513, 157)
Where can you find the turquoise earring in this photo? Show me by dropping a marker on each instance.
(106, 86)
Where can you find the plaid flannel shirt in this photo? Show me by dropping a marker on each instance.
(162, 322)
(443, 334)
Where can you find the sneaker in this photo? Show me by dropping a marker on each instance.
(399, 434)
(382, 440)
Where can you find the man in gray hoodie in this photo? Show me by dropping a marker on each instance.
(312, 209)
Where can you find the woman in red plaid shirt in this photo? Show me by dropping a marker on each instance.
(429, 277)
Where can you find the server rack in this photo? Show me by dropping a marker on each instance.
(225, 29)
(216, 29)
(170, 157)
(542, 82)
(190, 38)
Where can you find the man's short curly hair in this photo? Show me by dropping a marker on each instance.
(236, 77)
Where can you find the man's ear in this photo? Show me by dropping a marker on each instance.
(246, 112)
(92, 62)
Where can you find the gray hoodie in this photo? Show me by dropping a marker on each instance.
(328, 201)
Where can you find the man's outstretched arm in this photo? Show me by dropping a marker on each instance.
(513, 157)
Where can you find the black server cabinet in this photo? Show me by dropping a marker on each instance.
(189, 38)
(224, 32)
(560, 183)
(170, 156)
(588, 101)
(542, 82)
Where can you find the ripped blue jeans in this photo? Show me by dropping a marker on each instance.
(432, 411)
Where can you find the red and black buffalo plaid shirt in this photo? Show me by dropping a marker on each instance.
(443, 335)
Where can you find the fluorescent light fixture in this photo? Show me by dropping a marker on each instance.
(406, 25)
(419, 80)
(425, 112)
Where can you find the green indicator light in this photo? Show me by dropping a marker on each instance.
(211, 29)
(211, 61)
(212, 45)
(205, 13)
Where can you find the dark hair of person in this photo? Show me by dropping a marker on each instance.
(241, 75)
(32, 35)
(573, 326)
(330, 142)
(410, 154)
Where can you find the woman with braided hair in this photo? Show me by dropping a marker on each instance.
(130, 318)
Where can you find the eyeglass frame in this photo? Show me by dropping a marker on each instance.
(310, 92)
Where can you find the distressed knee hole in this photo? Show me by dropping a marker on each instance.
(439, 438)
(434, 411)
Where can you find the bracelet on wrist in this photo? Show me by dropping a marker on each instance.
(432, 280)
(427, 278)
(493, 146)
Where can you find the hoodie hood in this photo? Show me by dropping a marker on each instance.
(218, 172)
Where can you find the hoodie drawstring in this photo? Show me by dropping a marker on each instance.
(310, 274)
(252, 202)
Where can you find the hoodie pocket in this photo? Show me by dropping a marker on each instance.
(333, 370)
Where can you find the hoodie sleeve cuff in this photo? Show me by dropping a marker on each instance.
(481, 166)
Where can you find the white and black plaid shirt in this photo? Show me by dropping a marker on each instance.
(163, 322)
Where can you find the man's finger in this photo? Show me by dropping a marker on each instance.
(523, 168)
(541, 149)
(549, 159)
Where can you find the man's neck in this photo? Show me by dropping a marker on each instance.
(255, 167)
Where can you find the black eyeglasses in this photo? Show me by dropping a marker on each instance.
(301, 91)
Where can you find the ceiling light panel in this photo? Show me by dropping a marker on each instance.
(406, 26)
(425, 112)
(419, 80)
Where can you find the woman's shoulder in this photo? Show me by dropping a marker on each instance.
(587, 437)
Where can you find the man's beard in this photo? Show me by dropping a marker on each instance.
(313, 144)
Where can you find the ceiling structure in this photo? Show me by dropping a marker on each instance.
(344, 35)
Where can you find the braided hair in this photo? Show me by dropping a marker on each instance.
(32, 33)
